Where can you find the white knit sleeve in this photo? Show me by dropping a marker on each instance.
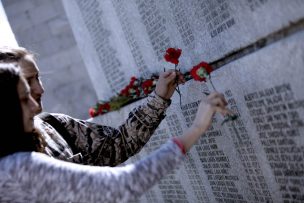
(35, 177)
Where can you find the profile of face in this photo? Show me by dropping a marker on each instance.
(30, 71)
(28, 105)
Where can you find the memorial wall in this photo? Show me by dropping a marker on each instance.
(257, 49)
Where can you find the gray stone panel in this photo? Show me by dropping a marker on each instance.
(257, 158)
(125, 38)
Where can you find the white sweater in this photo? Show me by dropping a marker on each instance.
(35, 177)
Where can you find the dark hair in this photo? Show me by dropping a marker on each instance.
(12, 136)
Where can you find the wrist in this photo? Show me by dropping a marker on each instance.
(198, 129)
(162, 97)
(179, 144)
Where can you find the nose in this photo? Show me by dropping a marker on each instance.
(37, 88)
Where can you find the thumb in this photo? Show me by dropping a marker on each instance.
(171, 77)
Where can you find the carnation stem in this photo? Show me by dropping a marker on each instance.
(212, 83)
(177, 87)
(236, 132)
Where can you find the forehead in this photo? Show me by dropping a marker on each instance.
(28, 66)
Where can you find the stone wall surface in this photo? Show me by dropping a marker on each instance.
(120, 39)
(256, 46)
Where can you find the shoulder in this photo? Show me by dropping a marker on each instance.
(24, 165)
(46, 117)
(20, 158)
(58, 116)
(14, 172)
(13, 164)
(16, 158)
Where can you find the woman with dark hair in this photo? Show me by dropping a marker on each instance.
(30, 176)
(16, 105)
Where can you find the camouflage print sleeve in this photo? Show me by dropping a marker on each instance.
(107, 146)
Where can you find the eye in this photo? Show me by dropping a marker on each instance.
(29, 80)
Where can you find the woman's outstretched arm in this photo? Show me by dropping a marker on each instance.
(214, 103)
(35, 177)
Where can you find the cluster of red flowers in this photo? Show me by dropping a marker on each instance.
(139, 88)
(131, 89)
(100, 109)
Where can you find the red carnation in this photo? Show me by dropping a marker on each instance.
(201, 71)
(125, 92)
(107, 106)
(147, 86)
(172, 55)
(92, 112)
(132, 81)
(103, 108)
(137, 92)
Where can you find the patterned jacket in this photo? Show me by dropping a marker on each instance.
(103, 145)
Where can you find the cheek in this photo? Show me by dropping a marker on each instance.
(24, 108)
(24, 115)
(35, 86)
